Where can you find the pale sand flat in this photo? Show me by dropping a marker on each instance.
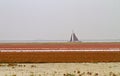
(60, 69)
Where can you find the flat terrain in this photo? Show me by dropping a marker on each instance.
(67, 56)
(63, 46)
(21, 57)
(60, 69)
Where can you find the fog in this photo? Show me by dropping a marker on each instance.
(55, 19)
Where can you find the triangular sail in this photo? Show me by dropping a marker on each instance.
(73, 38)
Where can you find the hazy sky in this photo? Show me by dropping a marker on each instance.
(55, 19)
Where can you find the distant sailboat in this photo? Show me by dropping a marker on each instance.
(73, 38)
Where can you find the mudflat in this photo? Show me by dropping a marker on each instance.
(57, 46)
(66, 56)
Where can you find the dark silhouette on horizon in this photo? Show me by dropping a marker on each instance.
(73, 38)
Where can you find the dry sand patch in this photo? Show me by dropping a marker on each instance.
(60, 69)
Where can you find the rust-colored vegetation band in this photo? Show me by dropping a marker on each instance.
(23, 57)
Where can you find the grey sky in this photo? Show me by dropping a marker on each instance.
(55, 19)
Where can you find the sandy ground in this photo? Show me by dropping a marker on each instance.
(60, 69)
